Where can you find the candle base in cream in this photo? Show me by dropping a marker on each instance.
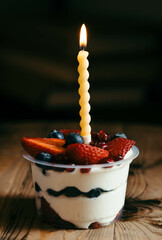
(87, 139)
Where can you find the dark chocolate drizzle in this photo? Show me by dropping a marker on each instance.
(74, 192)
(37, 187)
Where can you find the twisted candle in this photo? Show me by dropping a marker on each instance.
(84, 96)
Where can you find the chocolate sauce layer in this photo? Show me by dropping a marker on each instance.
(37, 187)
(74, 192)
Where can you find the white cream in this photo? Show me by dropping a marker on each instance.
(97, 177)
(81, 210)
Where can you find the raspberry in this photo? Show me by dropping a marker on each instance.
(94, 225)
(104, 136)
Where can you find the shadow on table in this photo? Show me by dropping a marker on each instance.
(19, 216)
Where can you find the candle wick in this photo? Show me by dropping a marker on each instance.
(83, 47)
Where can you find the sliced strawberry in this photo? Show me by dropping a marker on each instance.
(66, 132)
(79, 153)
(37, 145)
(119, 147)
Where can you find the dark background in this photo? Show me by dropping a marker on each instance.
(39, 43)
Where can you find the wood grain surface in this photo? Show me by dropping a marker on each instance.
(142, 217)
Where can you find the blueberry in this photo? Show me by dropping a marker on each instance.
(119, 135)
(45, 157)
(56, 134)
(73, 138)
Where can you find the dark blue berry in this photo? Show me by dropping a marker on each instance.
(119, 135)
(73, 138)
(56, 134)
(45, 157)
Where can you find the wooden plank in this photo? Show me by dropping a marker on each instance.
(142, 218)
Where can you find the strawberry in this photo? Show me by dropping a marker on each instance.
(66, 132)
(37, 145)
(119, 147)
(79, 153)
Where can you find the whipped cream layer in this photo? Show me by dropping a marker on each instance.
(80, 210)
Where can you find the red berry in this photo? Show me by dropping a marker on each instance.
(94, 225)
(95, 137)
(35, 146)
(118, 147)
(85, 170)
(80, 153)
(119, 215)
(104, 136)
(118, 157)
(69, 169)
(107, 160)
(102, 145)
(66, 132)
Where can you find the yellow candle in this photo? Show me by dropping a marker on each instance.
(84, 87)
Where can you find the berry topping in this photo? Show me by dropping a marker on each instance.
(119, 215)
(74, 138)
(56, 134)
(69, 169)
(35, 146)
(104, 136)
(119, 135)
(66, 132)
(94, 225)
(60, 158)
(85, 170)
(118, 157)
(94, 136)
(118, 147)
(107, 160)
(102, 145)
(85, 154)
(44, 157)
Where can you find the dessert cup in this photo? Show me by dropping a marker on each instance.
(81, 196)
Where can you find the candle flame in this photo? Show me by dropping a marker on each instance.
(83, 36)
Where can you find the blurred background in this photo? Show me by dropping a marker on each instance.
(39, 42)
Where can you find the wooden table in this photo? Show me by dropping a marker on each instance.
(142, 217)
